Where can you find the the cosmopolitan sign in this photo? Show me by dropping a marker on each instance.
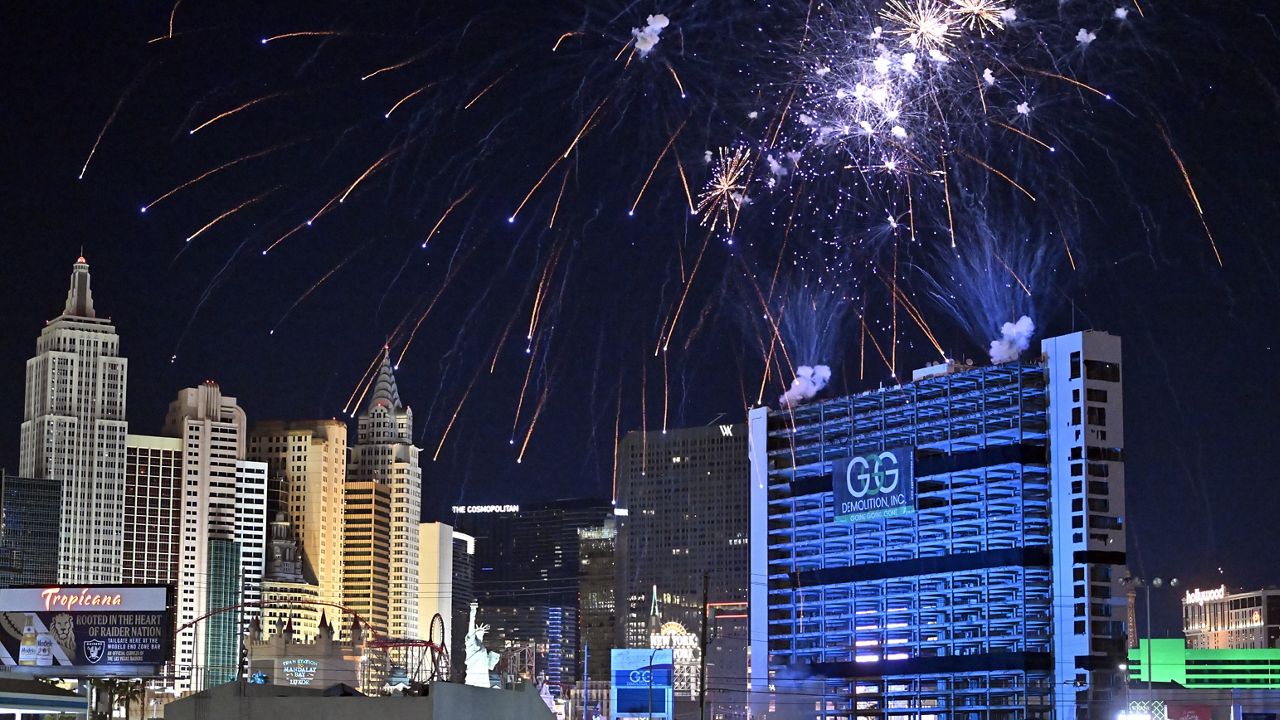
(64, 630)
(878, 485)
(484, 509)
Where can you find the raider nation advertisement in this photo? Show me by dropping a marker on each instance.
(70, 631)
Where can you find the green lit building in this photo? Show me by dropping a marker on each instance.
(1171, 661)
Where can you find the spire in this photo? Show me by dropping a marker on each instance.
(79, 297)
(384, 386)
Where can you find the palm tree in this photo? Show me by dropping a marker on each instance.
(130, 692)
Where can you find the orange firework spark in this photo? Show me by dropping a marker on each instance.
(396, 66)
(1028, 136)
(647, 180)
(996, 172)
(406, 98)
(454, 418)
(229, 213)
(220, 168)
(562, 38)
(1191, 190)
(377, 163)
(448, 210)
(486, 89)
(231, 112)
(303, 33)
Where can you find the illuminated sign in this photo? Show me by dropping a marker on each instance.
(484, 509)
(299, 671)
(1200, 597)
(878, 485)
(642, 683)
(74, 631)
(726, 431)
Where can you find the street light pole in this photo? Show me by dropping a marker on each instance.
(651, 654)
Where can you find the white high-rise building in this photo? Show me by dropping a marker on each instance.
(384, 469)
(73, 430)
(435, 580)
(223, 530)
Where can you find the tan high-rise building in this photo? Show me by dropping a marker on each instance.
(435, 581)
(309, 460)
(384, 508)
(73, 430)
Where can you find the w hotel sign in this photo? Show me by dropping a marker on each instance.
(878, 485)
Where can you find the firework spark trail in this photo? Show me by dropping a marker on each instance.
(1191, 190)
(493, 364)
(562, 38)
(225, 166)
(457, 201)
(548, 271)
(448, 279)
(364, 380)
(1026, 135)
(1021, 284)
(486, 89)
(233, 111)
(172, 14)
(585, 127)
(684, 182)
(247, 203)
(533, 422)
(555, 210)
(303, 33)
(396, 66)
(377, 164)
(457, 411)
(524, 388)
(654, 169)
(110, 119)
(406, 99)
(315, 286)
(999, 174)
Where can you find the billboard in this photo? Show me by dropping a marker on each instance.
(75, 631)
(881, 484)
(642, 683)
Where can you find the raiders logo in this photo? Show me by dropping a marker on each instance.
(94, 650)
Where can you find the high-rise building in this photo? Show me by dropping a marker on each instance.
(526, 578)
(307, 460)
(383, 512)
(464, 592)
(597, 608)
(435, 580)
(683, 503)
(30, 512)
(73, 431)
(223, 534)
(955, 543)
(289, 595)
(1224, 619)
(152, 515)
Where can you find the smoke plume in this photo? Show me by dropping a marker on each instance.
(809, 382)
(1015, 337)
(649, 35)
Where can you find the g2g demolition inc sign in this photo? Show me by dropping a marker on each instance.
(873, 486)
(66, 631)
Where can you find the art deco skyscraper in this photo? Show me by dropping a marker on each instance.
(384, 507)
(73, 430)
(309, 459)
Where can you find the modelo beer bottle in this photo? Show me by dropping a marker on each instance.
(29, 648)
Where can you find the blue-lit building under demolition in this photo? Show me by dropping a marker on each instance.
(947, 549)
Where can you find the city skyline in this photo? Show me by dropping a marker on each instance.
(1197, 414)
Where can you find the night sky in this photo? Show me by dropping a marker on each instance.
(1201, 361)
